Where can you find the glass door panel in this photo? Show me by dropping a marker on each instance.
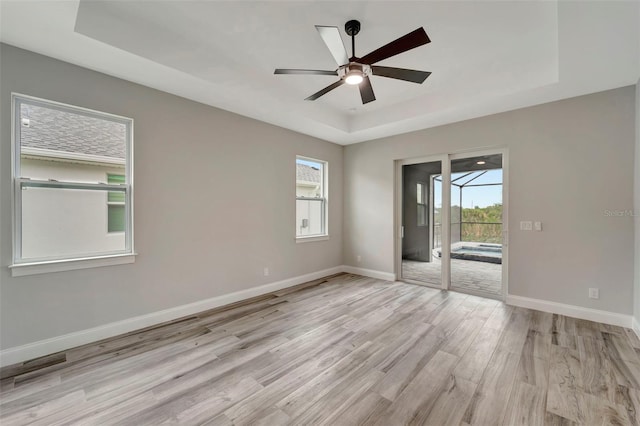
(476, 225)
(421, 221)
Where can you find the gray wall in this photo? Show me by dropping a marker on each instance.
(569, 162)
(636, 205)
(214, 204)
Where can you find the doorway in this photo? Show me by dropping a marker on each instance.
(452, 215)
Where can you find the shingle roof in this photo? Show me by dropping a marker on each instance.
(307, 173)
(68, 132)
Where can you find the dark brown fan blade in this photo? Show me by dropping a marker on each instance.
(414, 76)
(406, 42)
(366, 91)
(305, 72)
(325, 90)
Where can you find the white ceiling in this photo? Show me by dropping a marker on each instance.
(485, 57)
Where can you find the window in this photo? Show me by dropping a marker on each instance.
(311, 198)
(421, 190)
(67, 162)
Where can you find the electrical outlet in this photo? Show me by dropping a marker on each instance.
(594, 293)
(359, 259)
(537, 226)
(526, 225)
(266, 272)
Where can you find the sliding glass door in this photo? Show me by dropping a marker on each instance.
(452, 213)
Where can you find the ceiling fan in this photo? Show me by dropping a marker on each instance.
(356, 71)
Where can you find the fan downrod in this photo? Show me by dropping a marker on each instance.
(352, 28)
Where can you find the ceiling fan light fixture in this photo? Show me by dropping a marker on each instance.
(354, 77)
(354, 73)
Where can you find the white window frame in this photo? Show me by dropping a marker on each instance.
(325, 201)
(30, 266)
(421, 202)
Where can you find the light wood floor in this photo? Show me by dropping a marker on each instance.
(349, 350)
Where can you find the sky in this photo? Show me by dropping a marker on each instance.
(472, 196)
(308, 163)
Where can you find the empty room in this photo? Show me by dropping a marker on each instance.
(320, 213)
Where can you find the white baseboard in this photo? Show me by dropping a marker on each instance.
(580, 312)
(387, 276)
(636, 327)
(78, 338)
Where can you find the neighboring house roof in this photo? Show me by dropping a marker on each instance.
(307, 173)
(66, 132)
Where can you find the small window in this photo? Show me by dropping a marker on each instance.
(115, 205)
(421, 190)
(311, 197)
(68, 161)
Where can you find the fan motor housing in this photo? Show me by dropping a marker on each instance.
(354, 66)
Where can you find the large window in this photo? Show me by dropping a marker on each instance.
(311, 198)
(67, 162)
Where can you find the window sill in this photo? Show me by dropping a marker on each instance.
(313, 238)
(45, 267)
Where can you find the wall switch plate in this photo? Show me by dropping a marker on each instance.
(526, 225)
(359, 259)
(537, 226)
(594, 293)
(266, 272)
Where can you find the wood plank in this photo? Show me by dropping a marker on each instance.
(563, 325)
(542, 322)
(450, 405)
(253, 407)
(44, 409)
(556, 420)
(626, 373)
(597, 376)
(620, 348)
(586, 328)
(460, 340)
(533, 371)
(500, 316)
(402, 373)
(414, 404)
(32, 365)
(340, 398)
(630, 400)
(632, 337)
(488, 403)
(475, 360)
(350, 368)
(526, 406)
(365, 410)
